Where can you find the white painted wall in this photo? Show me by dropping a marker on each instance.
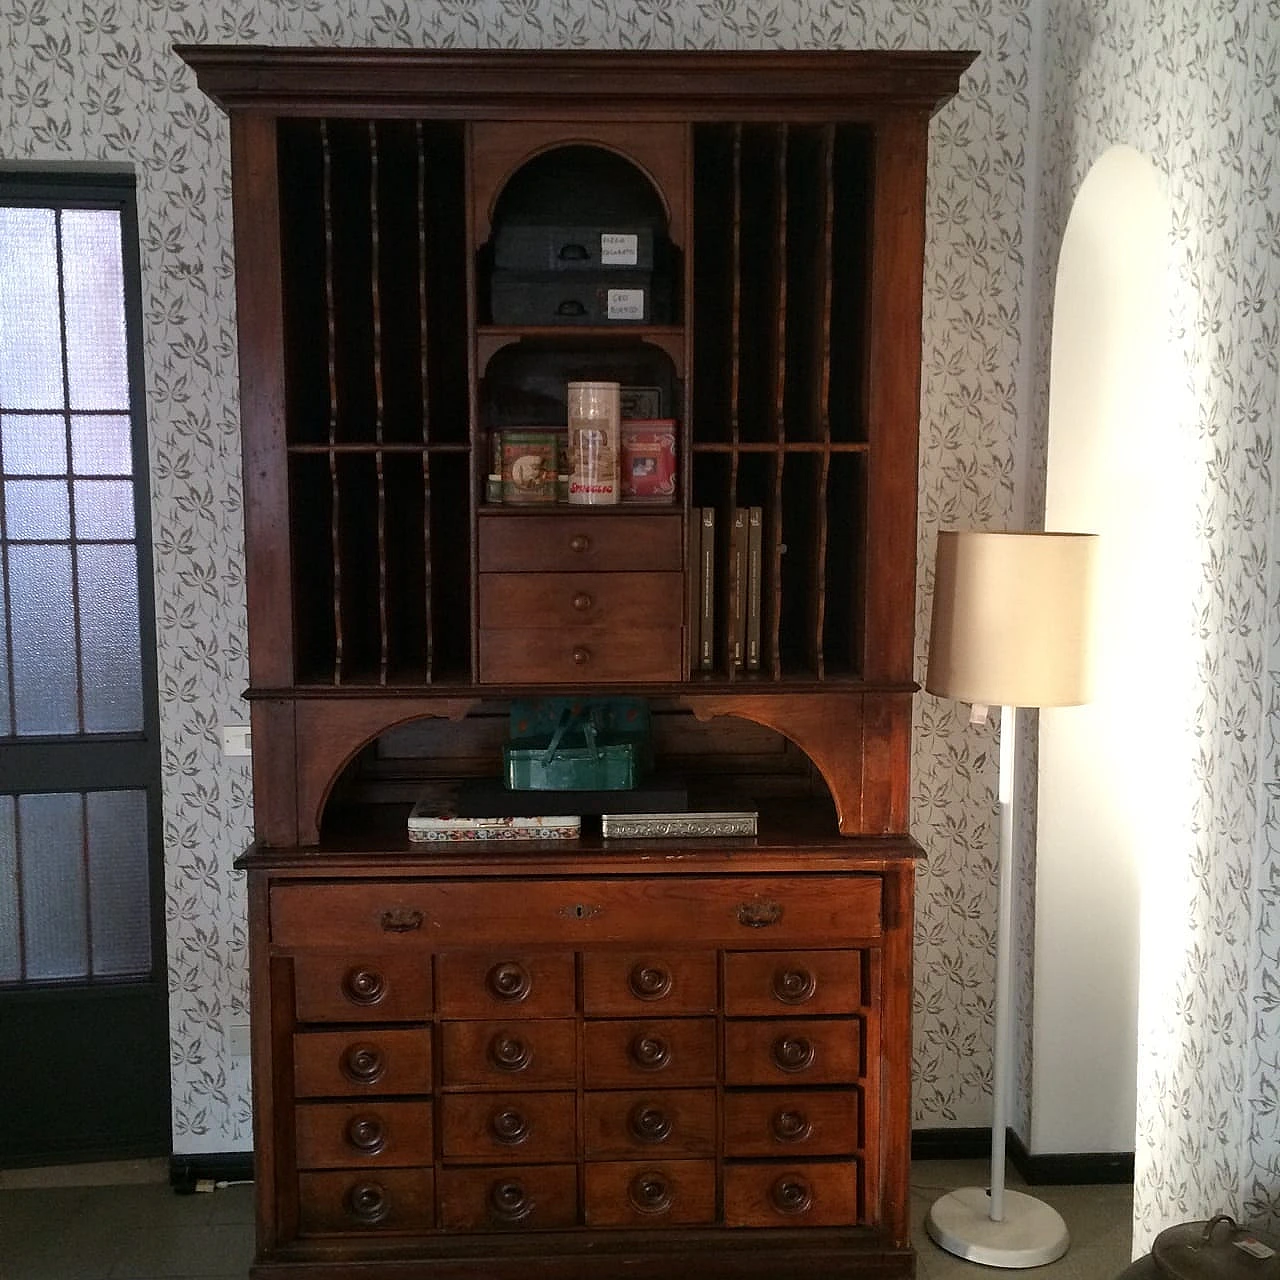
(1108, 769)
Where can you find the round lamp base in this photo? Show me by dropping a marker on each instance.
(1031, 1235)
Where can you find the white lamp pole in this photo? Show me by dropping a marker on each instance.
(1011, 626)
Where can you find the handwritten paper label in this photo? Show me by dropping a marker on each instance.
(625, 304)
(619, 250)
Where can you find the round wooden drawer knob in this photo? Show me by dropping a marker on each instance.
(791, 1195)
(794, 986)
(649, 982)
(793, 1053)
(509, 981)
(650, 1192)
(650, 1053)
(368, 1202)
(581, 655)
(579, 542)
(791, 1126)
(582, 601)
(366, 1134)
(363, 986)
(509, 1053)
(649, 1123)
(363, 1063)
(509, 1126)
(509, 1201)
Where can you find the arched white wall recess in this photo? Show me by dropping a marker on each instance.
(1108, 771)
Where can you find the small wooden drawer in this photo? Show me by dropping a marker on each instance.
(378, 1061)
(773, 983)
(791, 1195)
(492, 984)
(807, 1122)
(528, 655)
(666, 1123)
(519, 1198)
(510, 1127)
(641, 983)
(390, 1200)
(579, 542)
(793, 1052)
(362, 988)
(507, 1055)
(665, 1193)
(644, 1053)
(573, 600)
(340, 1135)
(633, 911)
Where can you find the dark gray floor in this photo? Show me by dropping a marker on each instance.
(133, 1227)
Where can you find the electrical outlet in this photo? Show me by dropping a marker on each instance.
(238, 1040)
(236, 740)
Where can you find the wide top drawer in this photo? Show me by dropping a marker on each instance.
(579, 543)
(730, 911)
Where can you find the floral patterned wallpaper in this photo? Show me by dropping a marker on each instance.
(98, 82)
(1196, 88)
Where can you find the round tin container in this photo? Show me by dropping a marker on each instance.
(594, 414)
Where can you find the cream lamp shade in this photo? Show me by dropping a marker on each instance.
(1012, 618)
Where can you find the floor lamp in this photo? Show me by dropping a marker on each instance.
(1011, 628)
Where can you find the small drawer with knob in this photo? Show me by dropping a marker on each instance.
(592, 654)
(339, 1135)
(473, 984)
(362, 988)
(649, 1052)
(648, 983)
(511, 1198)
(508, 1127)
(778, 983)
(573, 600)
(792, 1194)
(381, 1061)
(633, 1124)
(375, 1200)
(663, 1193)
(799, 1123)
(506, 1055)
(793, 1052)
(580, 542)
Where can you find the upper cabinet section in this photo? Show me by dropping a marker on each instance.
(431, 245)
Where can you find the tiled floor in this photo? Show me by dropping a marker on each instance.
(133, 1227)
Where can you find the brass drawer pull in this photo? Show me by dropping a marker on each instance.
(759, 915)
(650, 1192)
(794, 986)
(509, 1127)
(363, 986)
(366, 1134)
(509, 1053)
(649, 1123)
(793, 1053)
(509, 1201)
(368, 1202)
(791, 1195)
(791, 1126)
(509, 981)
(363, 1064)
(649, 1052)
(649, 982)
(401, 920)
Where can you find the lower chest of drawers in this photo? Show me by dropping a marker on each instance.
(561, 1085)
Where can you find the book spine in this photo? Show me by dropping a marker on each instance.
(694, 584)
(738, 585)
(755, 556)
(707, 591)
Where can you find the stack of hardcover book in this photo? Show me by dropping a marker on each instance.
(742, 561)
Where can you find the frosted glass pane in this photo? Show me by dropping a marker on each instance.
(104, 508)
(37, 509)
(119, 895)
(110, 647)
(30, 335)
(97, 371)
(54, 896)
(10, 938)
(102, 446)
(34, 446)
(6, 705)
(42, 630)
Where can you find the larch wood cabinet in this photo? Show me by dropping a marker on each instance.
(590, 1058)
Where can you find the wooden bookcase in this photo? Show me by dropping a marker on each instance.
(587, 1058)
